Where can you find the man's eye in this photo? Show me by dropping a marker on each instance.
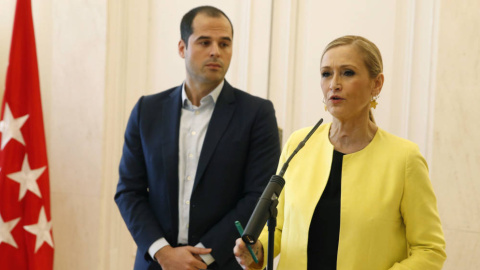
(224, 45)
(204, 43)
(349, 73)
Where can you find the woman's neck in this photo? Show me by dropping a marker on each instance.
(351, 136)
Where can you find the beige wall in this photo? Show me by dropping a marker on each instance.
(97, 57)
(456, 146)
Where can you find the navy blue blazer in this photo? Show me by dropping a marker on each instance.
(239, 155)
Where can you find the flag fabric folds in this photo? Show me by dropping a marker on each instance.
(26, 240)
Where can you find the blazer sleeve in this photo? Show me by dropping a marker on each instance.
(262, 159)
(132, 194)
(419, 210)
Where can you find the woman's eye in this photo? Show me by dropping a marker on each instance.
(349, 73)
(325, 74)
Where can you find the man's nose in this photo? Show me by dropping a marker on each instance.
(214, 50)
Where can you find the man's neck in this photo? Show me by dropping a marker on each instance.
(196, 91)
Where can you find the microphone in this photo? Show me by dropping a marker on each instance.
(262, 211)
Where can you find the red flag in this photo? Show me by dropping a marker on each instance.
(26, 240)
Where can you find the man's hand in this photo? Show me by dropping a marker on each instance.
(181, 258)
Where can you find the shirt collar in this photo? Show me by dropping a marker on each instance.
(213, 94)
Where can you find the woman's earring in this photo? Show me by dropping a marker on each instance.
(325, 103)
(373, 102)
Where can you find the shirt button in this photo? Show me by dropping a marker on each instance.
(189, 178)
(194, 132)
(197, 112)
(190, 155)
(187, 202)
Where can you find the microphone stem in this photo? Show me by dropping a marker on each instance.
(300, 145)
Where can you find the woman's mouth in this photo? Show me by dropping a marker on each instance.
(335, 99)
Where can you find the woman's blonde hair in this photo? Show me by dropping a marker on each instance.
(371, 55)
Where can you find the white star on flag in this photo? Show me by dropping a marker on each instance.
(5, 231)
(27, 178)
(10, 127)
(41, 230)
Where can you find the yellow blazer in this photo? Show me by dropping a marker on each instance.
(388, 215)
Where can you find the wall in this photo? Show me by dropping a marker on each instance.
(96, 58)
(75, 132)
(456, 148)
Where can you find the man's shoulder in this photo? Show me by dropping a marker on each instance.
(152, 103)
(247, 98)
(163, 95)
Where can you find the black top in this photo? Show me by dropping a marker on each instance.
(325, 226)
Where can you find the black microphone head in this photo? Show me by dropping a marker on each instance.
(279, 180)
(260, 215)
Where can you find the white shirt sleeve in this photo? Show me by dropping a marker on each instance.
(207, 258)
(156, 246)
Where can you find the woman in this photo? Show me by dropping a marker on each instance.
(356, 197)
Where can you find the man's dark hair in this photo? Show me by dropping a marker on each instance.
(186, 28)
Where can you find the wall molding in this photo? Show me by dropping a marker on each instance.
(433, 82)
(419, 71)
(126, 79)
(283, 64)
(258, 30)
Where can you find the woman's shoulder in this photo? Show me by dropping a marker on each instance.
(300, 134)
(394, 142)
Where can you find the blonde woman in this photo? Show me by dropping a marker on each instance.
(358, 197)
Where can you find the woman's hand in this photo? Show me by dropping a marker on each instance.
(243, 256)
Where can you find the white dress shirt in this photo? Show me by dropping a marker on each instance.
(193, 128)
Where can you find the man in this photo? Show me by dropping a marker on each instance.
(196, 157)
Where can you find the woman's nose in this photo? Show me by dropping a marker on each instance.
(335, 83)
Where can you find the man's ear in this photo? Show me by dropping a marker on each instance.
(181, 48)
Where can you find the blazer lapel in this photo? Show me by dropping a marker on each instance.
(221, 116)
(169, 134)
